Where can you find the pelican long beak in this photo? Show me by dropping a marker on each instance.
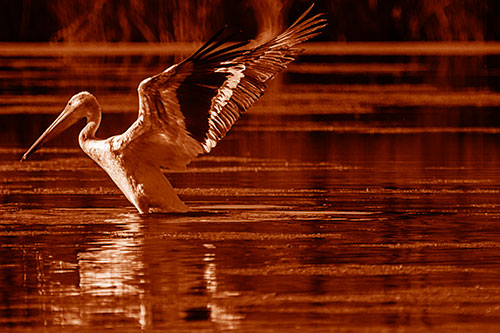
(67, 118)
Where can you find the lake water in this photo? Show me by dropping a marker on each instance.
(362, 193)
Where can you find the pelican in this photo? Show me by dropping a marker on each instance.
(183, 112)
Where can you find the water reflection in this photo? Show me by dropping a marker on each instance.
(224, 316)
(120, 276)
(111, 267)
(241, 267)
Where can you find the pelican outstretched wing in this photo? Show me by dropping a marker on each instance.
(188, 108)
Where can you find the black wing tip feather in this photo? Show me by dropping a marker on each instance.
(305, 28)
(301, 30)
(216, 47)
(297, 21)
(208, 44)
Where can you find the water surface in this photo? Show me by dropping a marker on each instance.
(361, 193)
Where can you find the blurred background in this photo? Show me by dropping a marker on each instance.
(396, 63)
(177, 20)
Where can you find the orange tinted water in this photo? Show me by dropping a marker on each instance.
(349, 198)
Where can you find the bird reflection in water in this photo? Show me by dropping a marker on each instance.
(224, 316)
(130, 275)
(111, 269)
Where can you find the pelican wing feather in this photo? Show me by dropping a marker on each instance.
(185, 110)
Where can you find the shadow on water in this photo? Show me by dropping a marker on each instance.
(361, 186)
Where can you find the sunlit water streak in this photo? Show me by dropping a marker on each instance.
(360, 194)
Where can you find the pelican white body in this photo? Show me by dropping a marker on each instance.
(143, 184)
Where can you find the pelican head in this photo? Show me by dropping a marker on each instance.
(81, 105)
